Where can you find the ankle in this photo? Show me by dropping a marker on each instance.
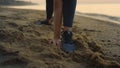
(50, 20)
(67, 29)
(56, 39)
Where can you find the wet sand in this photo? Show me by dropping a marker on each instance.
(23, 44)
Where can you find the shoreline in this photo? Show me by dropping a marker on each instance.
(101, 17)
(89, 15)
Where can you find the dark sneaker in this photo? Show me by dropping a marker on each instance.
(67, 42)
(44, 22)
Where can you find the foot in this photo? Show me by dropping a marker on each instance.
(55, 42)
(44, 22)
(67, 42)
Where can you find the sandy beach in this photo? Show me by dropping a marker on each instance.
(23, 44)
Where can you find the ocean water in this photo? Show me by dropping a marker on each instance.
(111, 9)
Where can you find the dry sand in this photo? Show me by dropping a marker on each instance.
(25, 45)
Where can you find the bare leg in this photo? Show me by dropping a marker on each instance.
(57, 20)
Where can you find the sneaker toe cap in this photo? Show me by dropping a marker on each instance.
(68, 47)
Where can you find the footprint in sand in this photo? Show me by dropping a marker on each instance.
(91, 30)
(28, 29)
(12, 24)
